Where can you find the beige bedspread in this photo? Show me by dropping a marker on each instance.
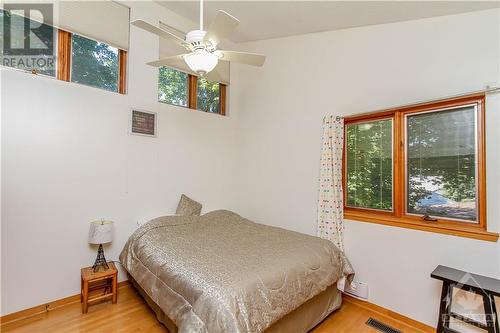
(221, 273)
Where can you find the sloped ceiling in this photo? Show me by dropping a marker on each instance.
(272, 19)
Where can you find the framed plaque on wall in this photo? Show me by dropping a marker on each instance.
(143, 123)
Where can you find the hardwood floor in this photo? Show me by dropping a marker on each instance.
(132, 315)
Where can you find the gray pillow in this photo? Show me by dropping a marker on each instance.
(188, 207)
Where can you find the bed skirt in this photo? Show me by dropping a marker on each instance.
(301, 320)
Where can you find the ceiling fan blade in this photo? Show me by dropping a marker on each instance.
(252, 59)
(176, 62)
(159, 32)
(215, 76)
(221, 27)
(169, 61)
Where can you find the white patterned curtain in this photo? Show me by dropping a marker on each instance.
(330, 202)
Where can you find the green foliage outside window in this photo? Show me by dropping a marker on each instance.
(172, 86)
(208, 96)
(369, 165)
(94, 64)
(442, 164)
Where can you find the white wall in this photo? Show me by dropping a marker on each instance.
(279, 110)
(67, 160)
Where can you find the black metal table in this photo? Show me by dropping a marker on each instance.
(484, 286)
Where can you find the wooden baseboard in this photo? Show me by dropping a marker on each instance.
(43, 308)
(390, 314)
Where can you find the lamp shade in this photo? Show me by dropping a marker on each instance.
(101, 232)
(201, 61)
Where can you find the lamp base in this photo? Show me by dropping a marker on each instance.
(100, 260)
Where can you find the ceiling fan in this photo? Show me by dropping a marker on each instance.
(203, 54)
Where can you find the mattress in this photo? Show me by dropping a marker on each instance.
(221, 273)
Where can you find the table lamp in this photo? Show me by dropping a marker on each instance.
(100, 232)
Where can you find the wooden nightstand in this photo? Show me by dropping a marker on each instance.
(106, 280)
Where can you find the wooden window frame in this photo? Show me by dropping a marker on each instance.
(222, 99)
(64, 56)
(193, 95)
(63, 71)
(192, 89)
(398, 216)
(122, 71)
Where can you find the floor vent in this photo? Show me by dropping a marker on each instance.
(381, 326)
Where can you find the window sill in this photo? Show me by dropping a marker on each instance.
(459, 231)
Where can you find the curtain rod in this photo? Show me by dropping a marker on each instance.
(487, 90)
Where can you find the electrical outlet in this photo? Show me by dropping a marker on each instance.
(357, 289)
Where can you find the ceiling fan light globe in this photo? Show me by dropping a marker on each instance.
(201, 61)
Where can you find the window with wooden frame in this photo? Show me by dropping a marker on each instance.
(420, 167)
(181, 89)
(76, 58)
(89, 62)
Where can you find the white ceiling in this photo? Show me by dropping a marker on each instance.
(272, 19)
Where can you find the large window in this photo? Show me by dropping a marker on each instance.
(178, 88)
(421, 167)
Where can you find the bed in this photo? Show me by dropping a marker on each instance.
(221, 273)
